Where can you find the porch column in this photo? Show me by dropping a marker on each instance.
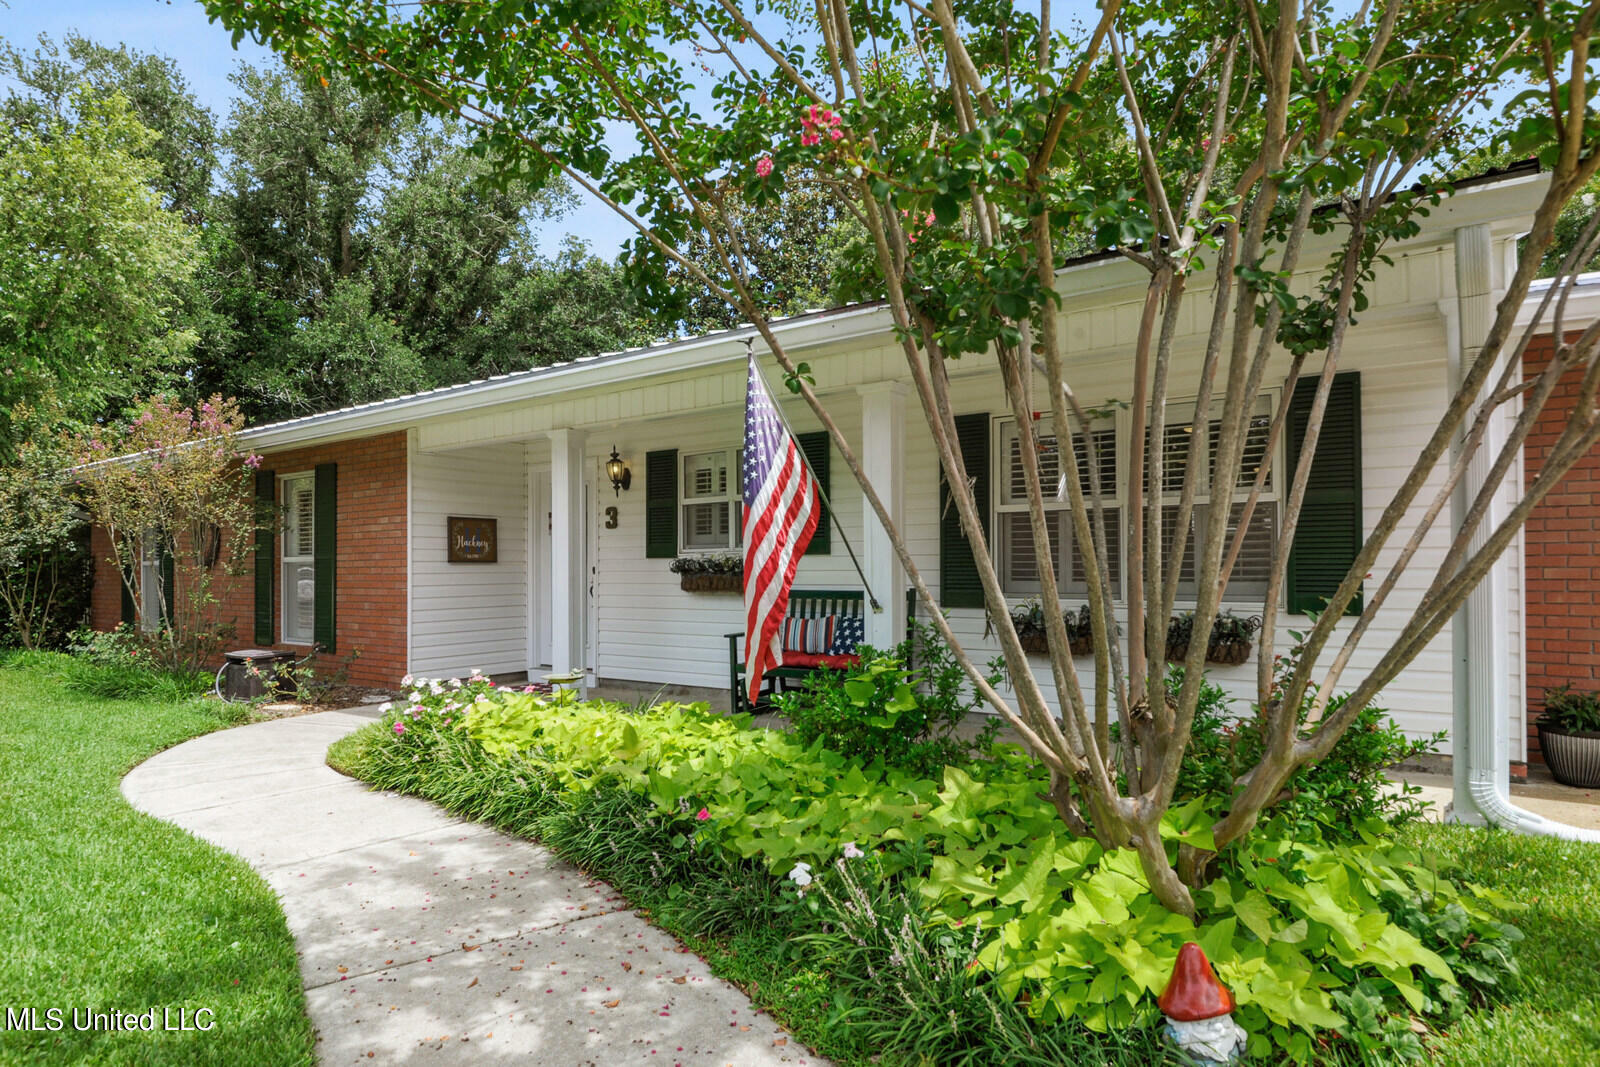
(883, 434)
(569, 596)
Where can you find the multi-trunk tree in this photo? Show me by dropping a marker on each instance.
(974, 142)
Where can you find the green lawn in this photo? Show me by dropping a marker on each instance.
(104, 908)
(1556, 1019)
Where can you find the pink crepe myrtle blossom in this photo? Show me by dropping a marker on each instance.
(253, 461)
(809, 139)
(764, 166)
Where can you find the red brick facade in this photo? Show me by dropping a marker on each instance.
(1562, 558)
(370, 569)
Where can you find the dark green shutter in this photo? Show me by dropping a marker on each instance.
(324, 539)
(1328, 536)
(661, 504)
(959, 585)
(266, 534)
(130, 614)
(816, 448)
(169, 584)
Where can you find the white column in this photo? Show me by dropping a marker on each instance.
(883, 436)
(569, 597)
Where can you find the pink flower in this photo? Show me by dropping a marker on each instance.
(835, 135)
(253, 462)
(399, 728)
(809, 139)
(702, 815)
(764, 166)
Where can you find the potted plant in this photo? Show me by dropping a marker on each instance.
(1028, 618)
(1569, 735)
(1180, 628)
(1232, 638)
(710, 574)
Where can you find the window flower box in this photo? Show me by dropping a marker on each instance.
(709, 574)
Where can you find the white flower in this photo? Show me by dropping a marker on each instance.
(475, 672)
(384, 707)
(455, 683)
(851, 852)
(436, 687)
(801, 875)
(406, 680)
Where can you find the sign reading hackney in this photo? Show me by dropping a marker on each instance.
(472, 540)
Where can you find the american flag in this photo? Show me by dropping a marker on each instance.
(781, 509)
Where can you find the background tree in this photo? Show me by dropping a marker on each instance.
(42, 591)
(93, 267)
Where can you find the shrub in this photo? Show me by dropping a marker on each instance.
(1337, 793)
(120, 664)
(907, 716)
(1573, 712)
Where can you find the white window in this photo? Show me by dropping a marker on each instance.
(1252, 569)
(710, 499)
(1019, 563)
(150, 616)
(299, 569)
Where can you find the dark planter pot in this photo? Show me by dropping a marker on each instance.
(1229, 653)
(1573, 758)
(1038, 644)
(1177, 651)
(711, 583)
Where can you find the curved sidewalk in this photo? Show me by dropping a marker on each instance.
(423, 938)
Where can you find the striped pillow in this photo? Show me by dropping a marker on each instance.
(807, 635)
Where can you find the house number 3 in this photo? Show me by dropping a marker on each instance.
(611, 518)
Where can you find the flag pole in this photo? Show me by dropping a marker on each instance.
(749, 351)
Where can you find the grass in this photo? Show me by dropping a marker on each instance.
(104, 908)
(1556, 1018)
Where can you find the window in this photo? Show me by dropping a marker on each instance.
(299, 568)
(1019, 563)
(710, 498)
(151, 609)
(1251, 570)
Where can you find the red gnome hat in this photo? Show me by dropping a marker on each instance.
(1193, 993)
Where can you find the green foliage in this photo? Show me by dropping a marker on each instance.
(881, 709)
(1333, 797)
(1574, 712)
(92, 266)
(44, 557)
(1290, 920)
(121, 664)
(728, 563)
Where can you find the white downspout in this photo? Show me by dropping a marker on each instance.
(1483, 669)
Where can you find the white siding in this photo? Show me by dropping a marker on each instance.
(466, 615)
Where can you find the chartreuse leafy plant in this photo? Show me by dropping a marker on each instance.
(1314, 938)
(1256, 159)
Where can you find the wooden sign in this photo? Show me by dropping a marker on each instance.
(473, 540)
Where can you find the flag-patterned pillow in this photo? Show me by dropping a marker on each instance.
(848, 634)
(808, 635)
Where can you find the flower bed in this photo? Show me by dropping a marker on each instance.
(1314, 939)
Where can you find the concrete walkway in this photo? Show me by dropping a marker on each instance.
(426, 939)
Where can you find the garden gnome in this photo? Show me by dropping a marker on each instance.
(1199, 1010)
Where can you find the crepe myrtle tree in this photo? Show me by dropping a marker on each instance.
(975, 142)
(172, 489)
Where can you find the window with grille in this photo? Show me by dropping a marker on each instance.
(299, 566)
(1251, 570)
(710, 499)
(1019, 563)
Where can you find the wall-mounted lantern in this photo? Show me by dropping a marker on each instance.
(621, 477)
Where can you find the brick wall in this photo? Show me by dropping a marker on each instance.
(1563, 563)
(370, 568)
